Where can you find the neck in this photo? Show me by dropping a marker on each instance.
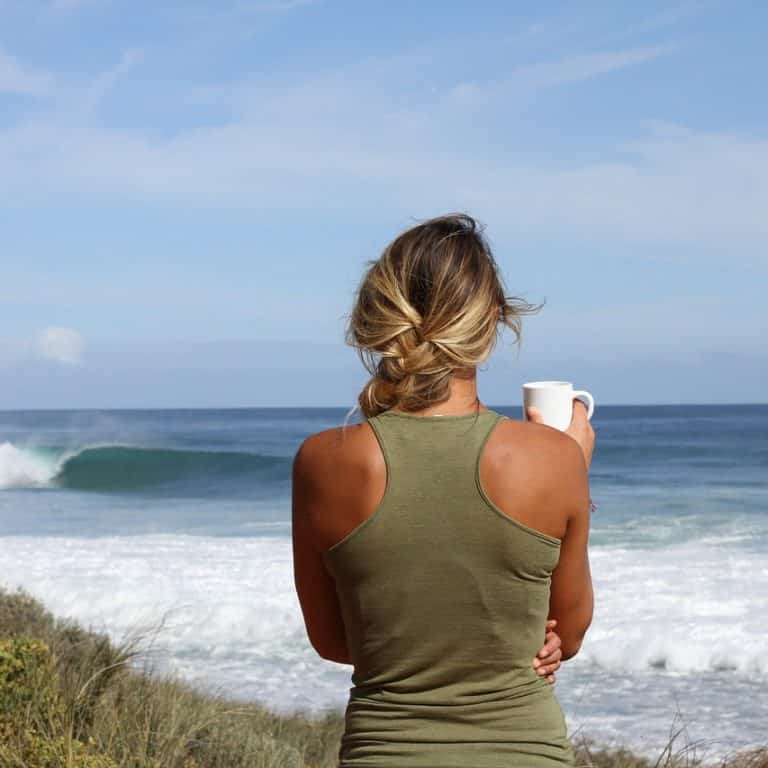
(463, 398)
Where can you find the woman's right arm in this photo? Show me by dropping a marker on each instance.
(571, 596)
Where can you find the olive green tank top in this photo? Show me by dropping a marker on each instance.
(444, 600)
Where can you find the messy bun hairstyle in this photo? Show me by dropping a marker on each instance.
(432, 303)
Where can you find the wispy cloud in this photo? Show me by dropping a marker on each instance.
(64, 345)
(583, 67)
(94, 92)
(267, 6)
(57, 343)
(73, 5)
(670, 184)
(666, 18)
(548, 73)
(15, 78)
(369, 132)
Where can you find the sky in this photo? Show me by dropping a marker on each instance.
(191, 191)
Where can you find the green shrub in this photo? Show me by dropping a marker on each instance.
(28, 678)
(28, 749)
(31, 712)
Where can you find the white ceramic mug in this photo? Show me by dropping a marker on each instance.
(554, 399)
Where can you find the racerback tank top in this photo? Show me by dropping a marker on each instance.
(444, 600)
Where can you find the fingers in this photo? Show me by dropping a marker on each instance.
(549, 665)
(552, 642)
(579, 415)
(552, 660)
(541, 664)
(579, 410)
(534, 414)
(548, 658)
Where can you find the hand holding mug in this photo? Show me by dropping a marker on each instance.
(580, 428)
(557, 404)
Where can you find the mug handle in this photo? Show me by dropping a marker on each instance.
(590, 405)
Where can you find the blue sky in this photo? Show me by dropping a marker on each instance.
(191, 191)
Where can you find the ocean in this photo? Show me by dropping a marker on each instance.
(180, 519)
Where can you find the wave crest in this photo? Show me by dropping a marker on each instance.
(24, 468)
(120, 467)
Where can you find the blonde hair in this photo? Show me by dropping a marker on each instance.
(432, 303)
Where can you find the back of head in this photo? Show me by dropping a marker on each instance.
(429, 308)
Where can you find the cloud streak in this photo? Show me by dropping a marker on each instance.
(574, 69)
(64, 345)
(275, 6)
(73, 5)
(336, 140)
(14, 78)
(669, 184)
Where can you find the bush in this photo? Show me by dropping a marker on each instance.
(31, 711)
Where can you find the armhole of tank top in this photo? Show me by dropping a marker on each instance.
(553, 540)
(388, 468)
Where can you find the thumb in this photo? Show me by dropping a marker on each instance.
(534, 414)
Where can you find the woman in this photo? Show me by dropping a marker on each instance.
(433, 540)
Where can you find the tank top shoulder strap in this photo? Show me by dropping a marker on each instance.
(432, 450)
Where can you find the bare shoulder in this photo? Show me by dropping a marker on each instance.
(338, 448)
(546, 446)
(339, 475)
(562, 467)
(537, 471)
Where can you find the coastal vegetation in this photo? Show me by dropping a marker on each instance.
(71, 697)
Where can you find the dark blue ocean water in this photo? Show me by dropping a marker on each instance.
(118, 516)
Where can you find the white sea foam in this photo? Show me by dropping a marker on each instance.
(675, 612)
(691, 607)
(23, 468)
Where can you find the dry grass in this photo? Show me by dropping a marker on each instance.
(72, 698)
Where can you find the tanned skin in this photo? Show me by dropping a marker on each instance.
(532, 472)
